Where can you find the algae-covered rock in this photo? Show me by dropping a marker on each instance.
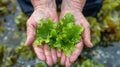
(25, 52)
(95, 30)
(90, 63)
(8, 57)
(21, 20)
(40, 65)
(106, 27)
(7, 7)
(2, 29)
(1, 53)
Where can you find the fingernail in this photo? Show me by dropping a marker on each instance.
(29, 41)
(91, 45)
(26, 43)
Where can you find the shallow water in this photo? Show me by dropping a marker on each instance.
(109, 56)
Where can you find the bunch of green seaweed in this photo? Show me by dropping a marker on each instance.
(10, 55)
(21, 21)
(105, 28)
(63, 35)
(7, 7)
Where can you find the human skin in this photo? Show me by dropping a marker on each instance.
(75, 7)
(43, 9)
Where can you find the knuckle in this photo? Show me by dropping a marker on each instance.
(32, 37)
(87, 25)
(28, 21)
(79, 45)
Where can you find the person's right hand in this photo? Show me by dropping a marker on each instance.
(42, 10)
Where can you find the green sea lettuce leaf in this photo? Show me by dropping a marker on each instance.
(63, 35)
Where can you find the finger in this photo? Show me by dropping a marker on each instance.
(54, 56)
(67, 63)
(59, 53)
(62, 14)
(48, 55)
(77, 52)
(55, 19)
(39, 52)
(78, 23)
(31, 31)
(63, 59)
(86, 35)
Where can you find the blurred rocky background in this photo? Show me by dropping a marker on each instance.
(105, 32)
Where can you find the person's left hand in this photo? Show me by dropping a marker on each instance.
(81, 21)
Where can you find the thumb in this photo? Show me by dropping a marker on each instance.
(86, 35)
(29, 41)
(31, 31)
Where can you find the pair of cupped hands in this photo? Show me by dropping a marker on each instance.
(43, 52)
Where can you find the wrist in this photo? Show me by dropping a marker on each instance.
(43, 4)
(73, 5)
